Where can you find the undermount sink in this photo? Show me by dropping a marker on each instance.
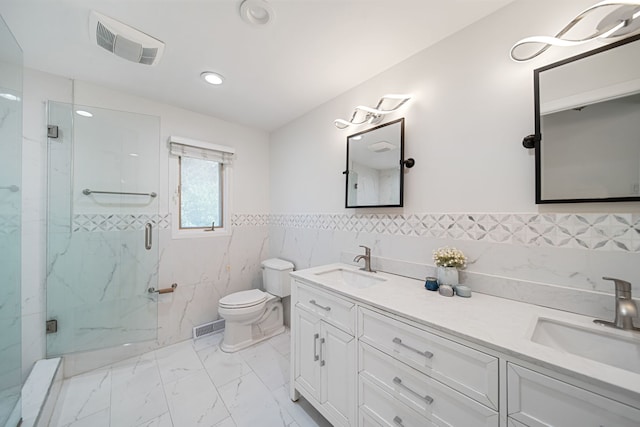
(601, 344)
(355, 279)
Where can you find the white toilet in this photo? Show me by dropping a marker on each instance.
(252, 316)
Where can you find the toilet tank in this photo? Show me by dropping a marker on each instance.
(275, 276)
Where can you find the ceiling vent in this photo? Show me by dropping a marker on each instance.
(124, 41)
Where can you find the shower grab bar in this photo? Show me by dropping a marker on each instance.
(163, 290)
(86, 192)
(12, 188)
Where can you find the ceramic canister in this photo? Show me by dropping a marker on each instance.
(431, 283)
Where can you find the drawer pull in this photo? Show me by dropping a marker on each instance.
(426, 398)
(313, 302)
(315, 349)
(398, 421)
(425, 353)
(321, 358)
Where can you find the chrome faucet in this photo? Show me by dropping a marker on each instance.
(367, 259)
(626, 308)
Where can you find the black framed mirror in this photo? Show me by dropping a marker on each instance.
(375, 166)
(587, 119)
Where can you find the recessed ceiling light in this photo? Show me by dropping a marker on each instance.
(212, 78)
(84, 113)
(256, 12)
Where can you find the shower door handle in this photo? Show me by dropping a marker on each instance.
(148, 228)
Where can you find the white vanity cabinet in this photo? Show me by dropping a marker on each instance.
(324, 353)
(426, 379)
(370, 359)
(538, 400)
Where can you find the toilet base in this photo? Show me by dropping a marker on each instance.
(241, 334)
(239, 346)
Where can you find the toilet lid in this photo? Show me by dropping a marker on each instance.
(243, 299)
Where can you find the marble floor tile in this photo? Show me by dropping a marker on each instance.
(271, 367)
(251, 403)
(302, 412)
(163, 420)
(282, 343)
(137, 394)
(227, 422)
(192, 383)
(84, 395)
(98, 419)
(222, 367)
(177, 361)
(194, 401)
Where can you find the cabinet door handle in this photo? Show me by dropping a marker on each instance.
(398, 421)
(425, 353)
(321, 357)
(315, 349)
(426, 398)
(313, 302)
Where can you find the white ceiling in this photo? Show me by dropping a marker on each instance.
(313, 51)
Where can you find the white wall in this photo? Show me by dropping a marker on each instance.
(471, 107)
(204, 268)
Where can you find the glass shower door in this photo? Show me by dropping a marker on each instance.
(102, 228)
(10, 230)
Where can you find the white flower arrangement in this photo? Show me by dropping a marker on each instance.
(449, 257)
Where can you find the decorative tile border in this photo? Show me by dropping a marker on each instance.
(604, 232)
(607, 232)
(9, 224)
(118, 222)
(250, 220)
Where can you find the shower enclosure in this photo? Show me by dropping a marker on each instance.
(102, 228)
(10, 220)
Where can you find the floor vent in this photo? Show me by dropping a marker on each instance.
(208, 329)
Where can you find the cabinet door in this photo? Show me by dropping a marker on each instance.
(307, 352)
(338, 360)
(537, 400)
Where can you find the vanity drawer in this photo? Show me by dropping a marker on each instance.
(337, 311)
(428, 397)
(534, 399)
(462, 368)
(380, 407)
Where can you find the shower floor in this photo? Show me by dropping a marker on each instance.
(192, 383)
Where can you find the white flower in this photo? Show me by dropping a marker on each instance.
(449, 257)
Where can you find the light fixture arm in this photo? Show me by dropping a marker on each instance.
(557, 40)
(373, 115)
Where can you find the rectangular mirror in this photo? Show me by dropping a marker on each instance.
(374, 175)
(588, 126)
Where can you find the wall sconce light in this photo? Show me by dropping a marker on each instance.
(620, 22)
(387, 104)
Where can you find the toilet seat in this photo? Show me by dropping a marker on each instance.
(243, 299)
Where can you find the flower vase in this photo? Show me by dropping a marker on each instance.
(447, 276)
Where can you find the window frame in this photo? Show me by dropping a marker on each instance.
(221, 189)
(226, 169)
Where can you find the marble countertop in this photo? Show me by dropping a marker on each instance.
(496, 323)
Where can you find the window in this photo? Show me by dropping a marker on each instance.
(200, 193)
(202, 187)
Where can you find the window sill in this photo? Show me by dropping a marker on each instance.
(200, 233)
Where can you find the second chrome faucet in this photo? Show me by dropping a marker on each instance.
(626, 309)
(367, 259)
